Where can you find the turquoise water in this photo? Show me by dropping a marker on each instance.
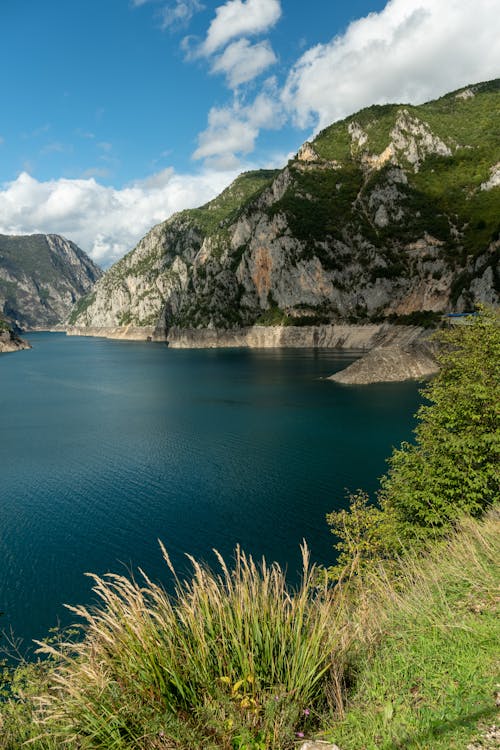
(106, 446)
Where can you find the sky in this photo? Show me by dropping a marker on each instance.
(117, 113)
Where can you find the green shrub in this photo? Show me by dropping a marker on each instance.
(233, 661)
(452, 469)
(454, 466)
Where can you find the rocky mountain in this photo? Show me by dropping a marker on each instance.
(392, 214)
(41, 277)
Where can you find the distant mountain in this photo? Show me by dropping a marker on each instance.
(391, 214)
(41, 277)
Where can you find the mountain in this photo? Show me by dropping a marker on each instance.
(392, 214)
(41, 277)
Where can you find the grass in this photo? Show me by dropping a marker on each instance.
(428, 663)
(401, 657)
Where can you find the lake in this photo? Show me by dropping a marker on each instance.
(106, 446)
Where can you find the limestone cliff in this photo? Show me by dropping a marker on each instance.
(41, 277)
(391, 214)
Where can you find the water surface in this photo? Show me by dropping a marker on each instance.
(106, 446)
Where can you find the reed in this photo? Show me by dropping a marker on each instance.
(233, 659)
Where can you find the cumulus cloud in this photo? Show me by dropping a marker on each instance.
(242, 62)
(411, 51)
(103, 221)
(238, 18)
(233, 130)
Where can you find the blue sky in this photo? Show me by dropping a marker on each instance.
(118, 112)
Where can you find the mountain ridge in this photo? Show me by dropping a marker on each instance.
(41, 277)
(389, 213)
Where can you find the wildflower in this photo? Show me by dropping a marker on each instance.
(306, 712)
(300, 734)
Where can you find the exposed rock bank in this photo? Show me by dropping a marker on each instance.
(126, 333)
(389, 363)
(362, 337)
(393, 352)
(10, 342)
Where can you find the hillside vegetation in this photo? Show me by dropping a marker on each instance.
(392, 212)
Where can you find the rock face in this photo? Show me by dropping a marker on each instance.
(352, 337)
(393, 213)
(403, 354)
(9, 341)
(41, 277)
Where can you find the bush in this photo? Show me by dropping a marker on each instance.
(233, 661)
(452, 469)
(454, 466)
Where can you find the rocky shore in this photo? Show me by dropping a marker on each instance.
(10, 342)
(391, 353)
(126, 333)
(405, 354)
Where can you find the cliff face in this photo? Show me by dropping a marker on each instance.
(9, 341)
(391, 213)
(41, 277)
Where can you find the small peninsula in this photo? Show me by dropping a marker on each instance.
(10, 341)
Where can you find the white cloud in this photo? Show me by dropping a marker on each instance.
(103, 221)
(242, 62)
(180, 13)
(233, 130)
(228, 133)
(175, 14)
(413, 50)
(240, 18)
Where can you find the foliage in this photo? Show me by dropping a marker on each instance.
(274, 316)
(454, 466)
(230, 203)
(319, 203)
(80, 307)
(236, 661)
(358, 530)
(452, 469)
(423, 318)
(446, 189)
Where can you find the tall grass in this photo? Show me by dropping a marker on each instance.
(234, 660)
(425, 654)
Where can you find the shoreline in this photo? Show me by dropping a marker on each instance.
(391, 353)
